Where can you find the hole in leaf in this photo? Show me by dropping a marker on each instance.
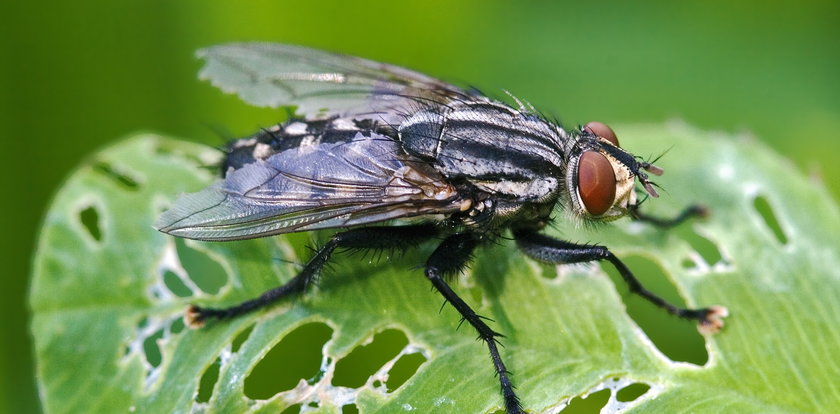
(297, 356)
(592, 404)
(208, 275)
(176, 285)
(763, 207)
(321, 372)
(549, 272)
(703, 246)
(163, 149)
(294, 409)
(403, 369)
(151, 348)
(120, 178)
(241, 337)
(632, 392)
(355, 369)
(90, 219)
(177, 325)
(157, 294)
(677, 338)
(208, 381)
(349, 409)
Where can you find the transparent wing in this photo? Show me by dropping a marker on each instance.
(319, 83)
(365, 180)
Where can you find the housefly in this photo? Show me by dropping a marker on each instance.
(373, 143)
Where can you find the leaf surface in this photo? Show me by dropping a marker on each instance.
(108, 292)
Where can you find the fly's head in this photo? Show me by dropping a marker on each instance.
(601, 177)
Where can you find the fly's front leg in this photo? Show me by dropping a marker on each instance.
(689, 212)
(551, 250)
(450, 257)
(398, 238)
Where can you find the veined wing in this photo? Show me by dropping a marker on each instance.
(319, 83)
(365, 180)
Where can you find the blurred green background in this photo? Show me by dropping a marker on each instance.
(79, 75)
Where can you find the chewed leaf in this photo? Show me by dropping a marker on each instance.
(108, 293)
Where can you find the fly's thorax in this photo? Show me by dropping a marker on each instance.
(485, 213)
(500, 150)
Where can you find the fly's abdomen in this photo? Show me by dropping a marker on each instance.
(296, 134)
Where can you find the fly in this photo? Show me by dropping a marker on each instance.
(376, 144)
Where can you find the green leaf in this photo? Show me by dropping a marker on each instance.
(108, 292)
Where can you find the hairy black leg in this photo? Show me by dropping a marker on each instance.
(450, 257)
(689, 212)
(396, 238)
(551, 250)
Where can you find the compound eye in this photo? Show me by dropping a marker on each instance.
(602, 130)
(596, 182)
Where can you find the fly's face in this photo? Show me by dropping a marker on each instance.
(601, 177)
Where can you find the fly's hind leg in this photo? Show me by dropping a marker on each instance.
(396, 238)
(450, 257)
(547, 249)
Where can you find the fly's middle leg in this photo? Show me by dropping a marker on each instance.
(395, 238)
(450, 257)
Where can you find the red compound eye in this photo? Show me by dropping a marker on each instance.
(596, 182)
(602, 130)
